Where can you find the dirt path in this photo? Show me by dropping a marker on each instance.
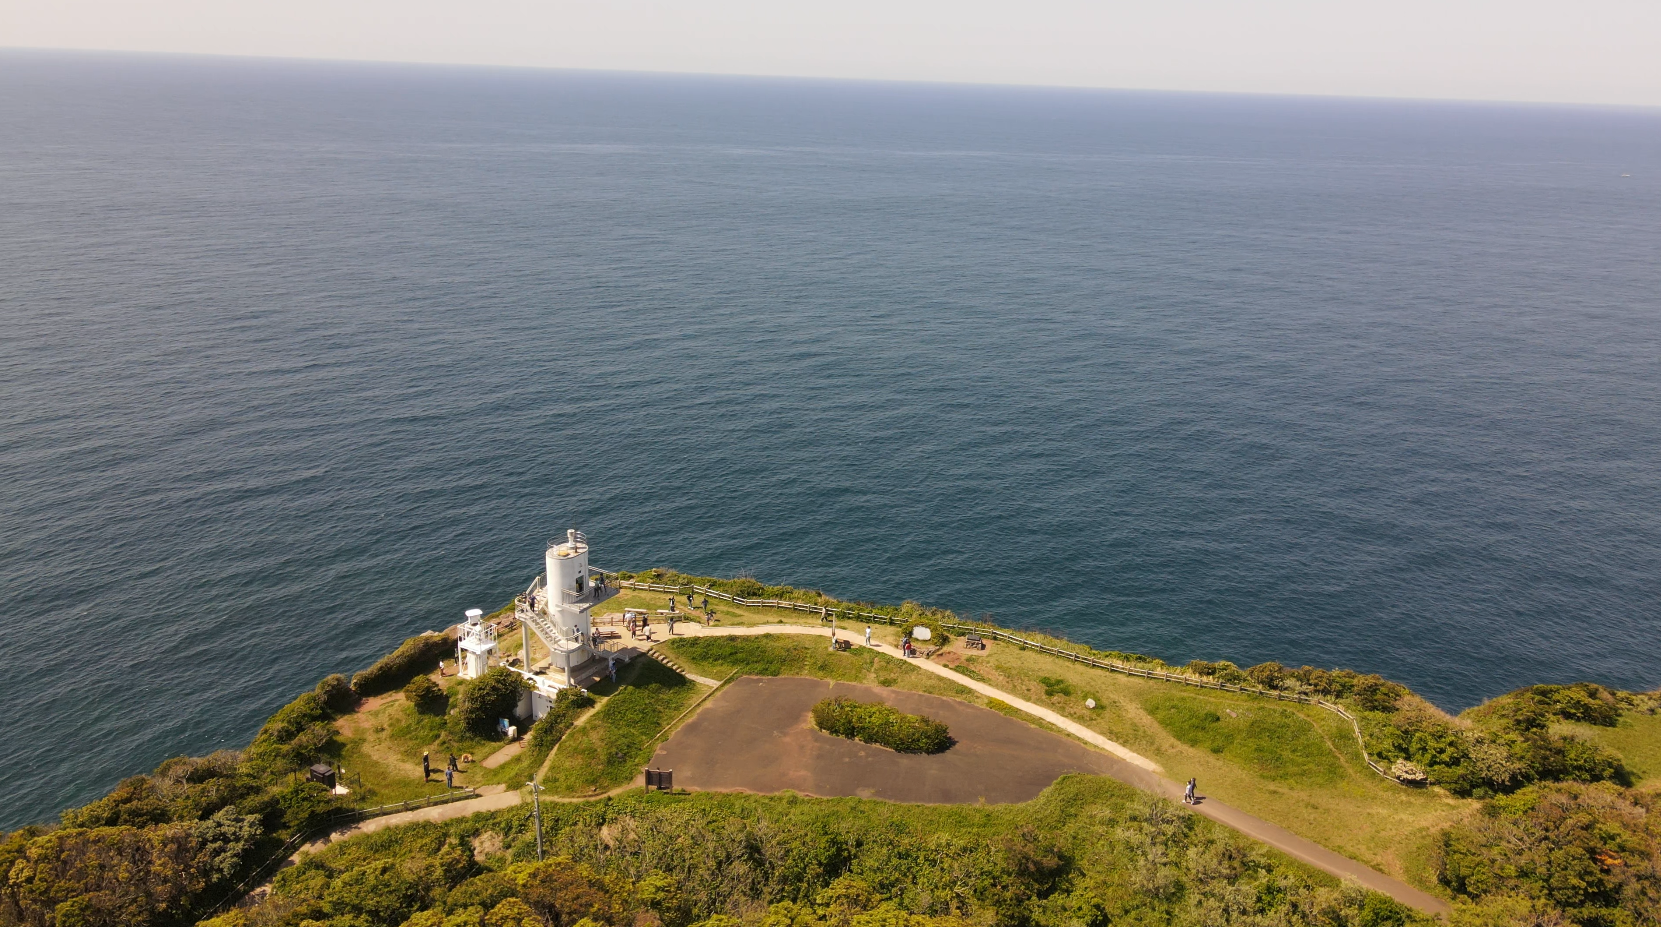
(448, 812)
(1138, 771)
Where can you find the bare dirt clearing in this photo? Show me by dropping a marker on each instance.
(758, 736)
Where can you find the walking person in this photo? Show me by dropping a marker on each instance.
(671, 625)
(1188, 791)
(453, 767)
(426, 767)
(867, 635)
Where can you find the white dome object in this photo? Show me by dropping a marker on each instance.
(1090, 703)
(921, 633)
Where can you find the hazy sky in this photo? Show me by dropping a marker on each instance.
(1592, 51)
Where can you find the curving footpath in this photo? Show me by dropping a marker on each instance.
(1134, 770)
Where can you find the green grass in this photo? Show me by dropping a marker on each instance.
(1274, 743)
(1637, 738)
(801, 655)
(615, 743)
(381, 749)
(1268, 763)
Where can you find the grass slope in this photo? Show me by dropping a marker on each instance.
(1636, 737)
(613, 745)
(1273, 742)
(1296, 765)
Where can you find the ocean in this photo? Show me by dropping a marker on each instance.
(298, 359)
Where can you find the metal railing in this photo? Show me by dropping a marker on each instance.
(827, 611)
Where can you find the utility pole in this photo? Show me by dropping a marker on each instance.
(536, 804)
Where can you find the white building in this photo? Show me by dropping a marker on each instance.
(475, 645)
(556, 610)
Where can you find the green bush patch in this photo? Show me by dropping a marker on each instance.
(881, 725)
(1054, 686)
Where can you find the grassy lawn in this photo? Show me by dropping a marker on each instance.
(796, 655)
(1266, 739)
(382, 745)
(616, 742)
(1637, 738)
(1296, 765)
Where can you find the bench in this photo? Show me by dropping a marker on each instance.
(974, 640)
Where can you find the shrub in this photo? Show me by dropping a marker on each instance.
(414, 657)
(304, 805)
(292, 738)
(487, 698)
(336, 694)
(1222, 671)
(425, 695)
(1054, 686)
(882, 725)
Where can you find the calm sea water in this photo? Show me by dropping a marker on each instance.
(299, 359)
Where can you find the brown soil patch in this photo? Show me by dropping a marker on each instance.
(758, 736)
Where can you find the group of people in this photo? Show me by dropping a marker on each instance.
(642, 626)
(449, 770)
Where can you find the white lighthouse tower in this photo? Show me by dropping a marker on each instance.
(556, 608)
(475, 645)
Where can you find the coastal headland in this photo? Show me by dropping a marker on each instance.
(1325, 796)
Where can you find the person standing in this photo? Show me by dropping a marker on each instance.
(671, 625)
(449, 778)
(867, 635)
(426, 767)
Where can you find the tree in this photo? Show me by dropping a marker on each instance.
(304, 805)
(562, 893)
(224, 841)
(336, 694)
(425, 695)
(487, 698)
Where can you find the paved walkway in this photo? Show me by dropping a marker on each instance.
(1138, 771)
